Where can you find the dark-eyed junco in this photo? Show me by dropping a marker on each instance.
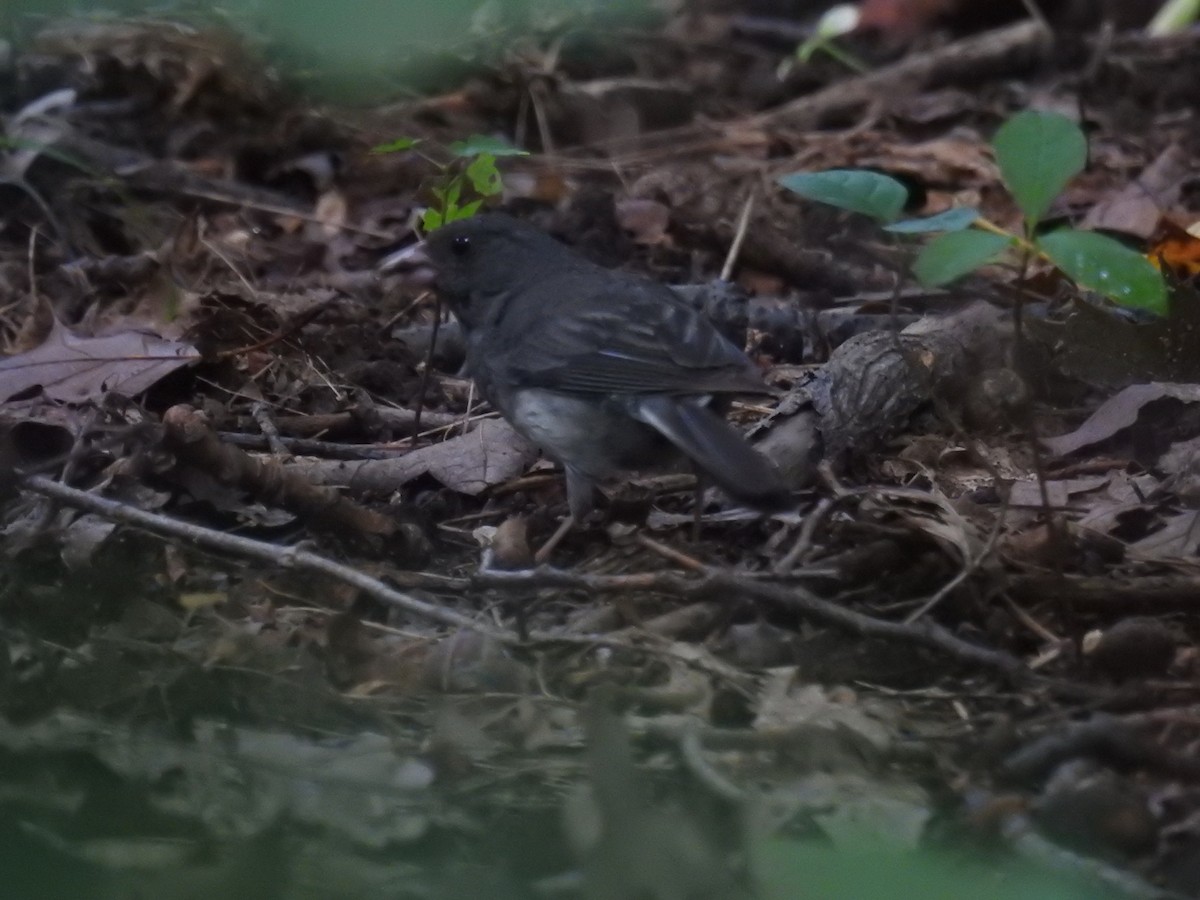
(605, 371)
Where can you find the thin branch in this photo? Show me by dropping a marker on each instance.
(251, 549)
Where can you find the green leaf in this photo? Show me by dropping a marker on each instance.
(450, 196)
(1107, 267)
(809, 48)
(431, 220)
(951, 220)
(1038, 153)
(464, 212)
(955, 254)
(836, 22)
(870, 193)
(482, 143)
(484, 176)
(397, 145)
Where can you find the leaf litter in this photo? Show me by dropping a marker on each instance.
(966, 582)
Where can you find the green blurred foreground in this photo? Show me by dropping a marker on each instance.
(360, 52)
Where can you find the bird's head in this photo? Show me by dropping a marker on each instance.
(472, 261)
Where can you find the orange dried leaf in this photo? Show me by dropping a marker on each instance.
(1176, 249)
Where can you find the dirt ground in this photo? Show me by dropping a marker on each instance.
(269, 618)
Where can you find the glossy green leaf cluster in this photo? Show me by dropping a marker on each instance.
(463, 182)
(1038, 153)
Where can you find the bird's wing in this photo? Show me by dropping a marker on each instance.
(629, 338)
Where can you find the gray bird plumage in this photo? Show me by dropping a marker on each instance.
(605, 371)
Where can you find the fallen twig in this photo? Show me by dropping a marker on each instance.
(712, 582)
(251, 549)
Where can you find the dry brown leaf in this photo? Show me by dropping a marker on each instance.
(1119, 412)
(72, 368)
(1060, 492)
(490, 454)
(1137, 208)
(1176, 249)
(646, 220)
(1179, 538)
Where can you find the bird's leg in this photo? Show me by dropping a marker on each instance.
(579, 502)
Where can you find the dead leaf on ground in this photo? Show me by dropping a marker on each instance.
(1117, 413)
(1123, 496)
(488, 455)
(1137, 207)
(1179, 538)
(646, 220)
(1059, 492)
(72, 368)
(1176, 249)
(958, 159)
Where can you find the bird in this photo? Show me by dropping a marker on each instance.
(605, 371)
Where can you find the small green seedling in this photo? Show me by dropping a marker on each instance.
(835, 23)
(464, 181)
(1038, 153)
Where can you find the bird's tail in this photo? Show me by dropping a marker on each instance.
(715, 447)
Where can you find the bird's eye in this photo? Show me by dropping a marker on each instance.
(461, 245)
